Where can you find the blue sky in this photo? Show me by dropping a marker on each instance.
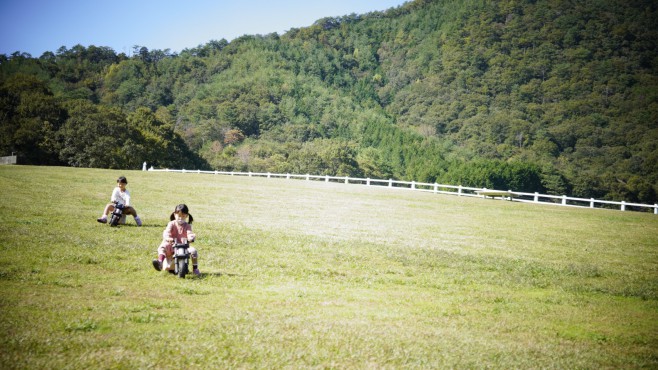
(36, 26)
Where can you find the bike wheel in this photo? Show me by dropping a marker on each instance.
(114, 220)
(182, 268)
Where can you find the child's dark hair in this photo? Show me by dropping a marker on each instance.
(181, 208)
(122, 179)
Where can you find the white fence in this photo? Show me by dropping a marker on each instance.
(458, 190)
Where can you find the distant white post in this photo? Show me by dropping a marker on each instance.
(623, 205)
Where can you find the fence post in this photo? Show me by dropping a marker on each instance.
(390, 183)
(459, 191)
(536, 197)
(436, 188)
(591, 202)
(347, 180)
(564, 200)
(326, 178)
(368, 181)
(413, 185)
(655, 209)
(268, 175)
(287, 176)
(308, 177)
(623, 205)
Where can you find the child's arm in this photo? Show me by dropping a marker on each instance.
(115, 195)
(190, 234)
(167, 233)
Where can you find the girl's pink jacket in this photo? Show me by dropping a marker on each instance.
(176, 231)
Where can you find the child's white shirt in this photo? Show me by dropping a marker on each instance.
(121, 197)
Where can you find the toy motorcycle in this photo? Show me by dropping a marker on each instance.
(117, 214)
(181, 259)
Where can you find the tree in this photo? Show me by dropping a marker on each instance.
(233, 136)
(158, 144)
(493, 174)
(29, 118)
(373, 164)
(98, 136)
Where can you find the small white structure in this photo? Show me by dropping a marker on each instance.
(10, 159)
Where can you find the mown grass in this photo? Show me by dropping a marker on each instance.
(301, 274)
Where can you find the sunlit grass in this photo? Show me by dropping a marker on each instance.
(313, 274)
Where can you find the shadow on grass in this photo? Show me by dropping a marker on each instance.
(217, 274)
(204, 275)
(148, 226)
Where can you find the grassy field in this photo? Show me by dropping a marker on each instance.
(299, 274)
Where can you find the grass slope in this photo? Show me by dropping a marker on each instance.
(318, 275)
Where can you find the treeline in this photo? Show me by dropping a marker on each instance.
(559, 97)
(43, 129)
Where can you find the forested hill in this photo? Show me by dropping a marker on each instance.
(552, 96)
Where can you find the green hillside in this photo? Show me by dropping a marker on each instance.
(558, 97)
(308, 274)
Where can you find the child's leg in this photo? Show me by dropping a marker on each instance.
(133, 212)
(165, 251)
(195, 257)
(108, 208)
